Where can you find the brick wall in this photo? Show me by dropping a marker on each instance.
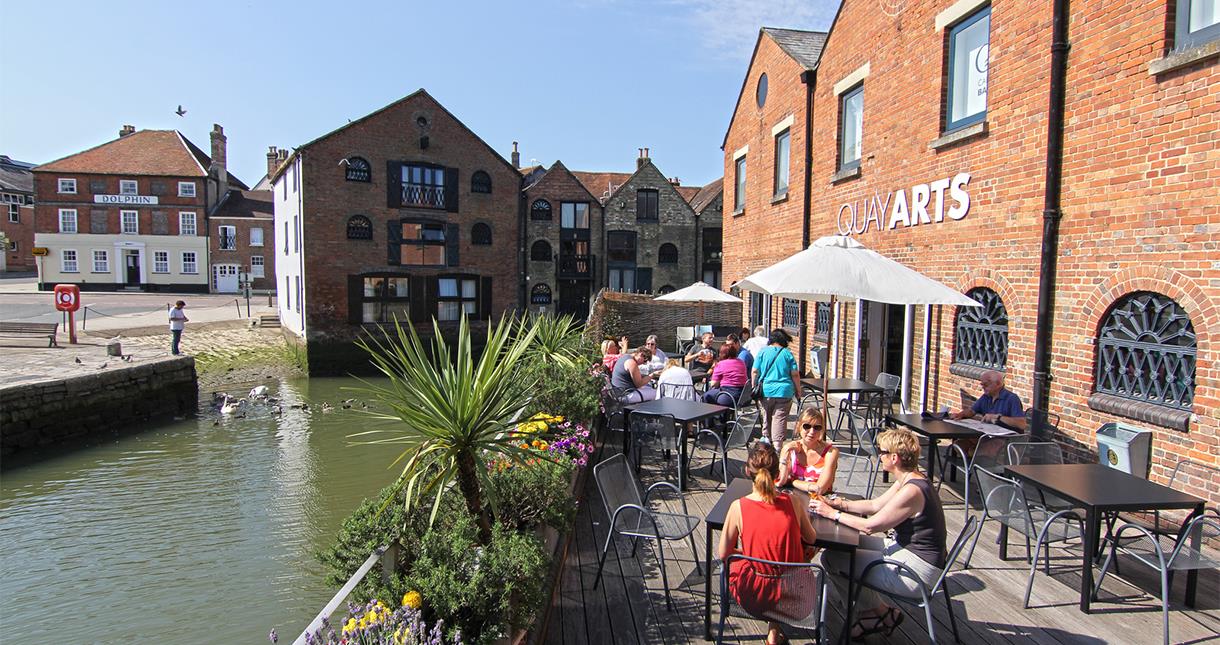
(675, 224)
(638, 315)
(558, 185)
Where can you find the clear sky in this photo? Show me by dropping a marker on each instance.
(586, 81)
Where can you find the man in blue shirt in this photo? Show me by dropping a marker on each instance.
(997, 405)
(742, 353)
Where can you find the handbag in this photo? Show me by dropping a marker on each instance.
(756, 390)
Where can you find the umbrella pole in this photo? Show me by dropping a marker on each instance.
(830, 341)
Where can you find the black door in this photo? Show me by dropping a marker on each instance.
(895, 325)
(573, 298)
(133, 268)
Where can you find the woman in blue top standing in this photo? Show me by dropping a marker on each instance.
(776, 371)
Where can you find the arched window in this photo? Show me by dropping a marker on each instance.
(668, 254)
(480, 234)
(1146, 351)
(358, 169)
(981, 333)
(359, 228)
(480, 182)
(540, 295)
(540, 251)
(540, 209)
(669, 288)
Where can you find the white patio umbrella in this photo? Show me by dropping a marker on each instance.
(699, 292)
(838, 267)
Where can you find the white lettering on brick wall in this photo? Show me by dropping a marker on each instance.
(921, 204)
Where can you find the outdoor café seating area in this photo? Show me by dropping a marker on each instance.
(1024, 501)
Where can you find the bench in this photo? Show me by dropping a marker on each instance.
(30, 329)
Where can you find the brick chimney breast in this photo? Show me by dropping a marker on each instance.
(273, 160)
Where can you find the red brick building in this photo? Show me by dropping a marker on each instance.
(563, 242)
(929, 136)
(17, 218)
(404, 213)
(242, 240)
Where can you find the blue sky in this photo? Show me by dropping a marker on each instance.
(588, 81)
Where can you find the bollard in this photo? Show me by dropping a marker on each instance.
(114, 348)
(238, 306)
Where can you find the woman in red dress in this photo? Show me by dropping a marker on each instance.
(770, 527)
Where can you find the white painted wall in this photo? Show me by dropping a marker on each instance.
(289, 248)
(117, 245)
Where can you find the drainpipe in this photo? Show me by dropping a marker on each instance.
(809, 77)
(1051, 213)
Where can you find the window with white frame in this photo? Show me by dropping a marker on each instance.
(12, 246)
(128, 187)
(186, 224)
(189, 263)
(227, 238)
(186, 189)
(101, 261)
(67, 220)
(297, 305)
(782, 149)
(256, 237)
(851, 127)
(67, 186)
(257, 266)
(969, 46)
(1198, 22)
(739, 184)
(456, 296)
(14, 213)
(285, 238)
(131, 222)
(67, 261)
(160, 261)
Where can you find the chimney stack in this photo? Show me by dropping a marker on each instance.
(639, 161)
(675, 181)
(126, 130)
(273, 160)
(516, 157)
(219, 170)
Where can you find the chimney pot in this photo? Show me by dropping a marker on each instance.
(126, 130)
(516, 157)
(273, 160)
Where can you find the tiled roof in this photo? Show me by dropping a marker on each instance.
(688, 192)
(15, 176)
(805, 47)
(601, 184)
(146, 152)
(245, 203)
(707, 194)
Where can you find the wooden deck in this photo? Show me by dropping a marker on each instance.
(629, 604)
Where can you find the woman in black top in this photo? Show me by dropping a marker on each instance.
(913, 510)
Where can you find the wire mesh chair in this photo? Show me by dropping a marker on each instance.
(1004, 501)
(1038, 452)
(1042, 425)
(802, 594)
(926, 593)
(855, 475)
(612, 406)
(631, 516)
(891, 383)
(1185, 473)
(683, 391)
(864, 435)
(987, 454)
(1185, 554)
(739, 436)
(659, 429)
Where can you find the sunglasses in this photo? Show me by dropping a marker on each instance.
(807, 426)
(884, 452)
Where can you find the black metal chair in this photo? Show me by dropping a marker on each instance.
(660, 429)
(631, 516)
(855, 475)
(1004, 501)
(802, 601)
(677, 391)
(739, 436)
(926, 593)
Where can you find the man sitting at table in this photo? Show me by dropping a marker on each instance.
(997, 405)
(702, 357)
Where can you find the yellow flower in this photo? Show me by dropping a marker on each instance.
(412, 599)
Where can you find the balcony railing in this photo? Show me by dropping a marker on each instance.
(228, 242)
(423, 195)
(575, 266)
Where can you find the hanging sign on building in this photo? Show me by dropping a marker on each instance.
(922, 204)
(136, 200)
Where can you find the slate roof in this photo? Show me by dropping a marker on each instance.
(805, 47)
(146, 152)
(706, 195)
(245, 203)
(15, 176)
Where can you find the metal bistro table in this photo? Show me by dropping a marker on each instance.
(850, 386)
(684, 412)
(935, 430)
(836, 537)
(1100, 489)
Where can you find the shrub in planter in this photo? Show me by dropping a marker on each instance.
(570, 391)
(482, 590)
(527, 497)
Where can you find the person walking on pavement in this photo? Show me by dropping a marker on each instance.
(177, 322)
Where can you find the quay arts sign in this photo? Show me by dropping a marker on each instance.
(926, 205)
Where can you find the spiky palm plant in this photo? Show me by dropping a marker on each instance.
(454, 410)
(557, 338)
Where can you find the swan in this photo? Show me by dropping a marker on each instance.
(258, 392)
(231, 405)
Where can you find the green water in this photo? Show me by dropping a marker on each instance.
(191, 532)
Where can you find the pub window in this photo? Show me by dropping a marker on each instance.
(456, 296)
(969, 45)
(185, 188)
(781, 163)
(385, 299)
(540, 294)
(540, 251)
(792, 314)
(67, 220)
(981, 333)
(423, 186)
(67, 261)
(540, 210)
(851, 126)
(668, 254)
(358, 169)
(480, 182)
(757, 315)
(480, 234)
(130, 222)
(1146, 351)
(1197, 23)
(160, 262)
(101, 262)
(67, 186)
(423, 244)
(739, 184)
(359, 228)
(128, 187)
(646, 204)
(186, 225)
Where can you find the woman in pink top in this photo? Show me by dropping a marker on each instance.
(808, 464)
(728, 378)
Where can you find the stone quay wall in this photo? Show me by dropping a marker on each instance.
(58, 413)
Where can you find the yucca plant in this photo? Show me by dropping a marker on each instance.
(454, 411)
(557, 338)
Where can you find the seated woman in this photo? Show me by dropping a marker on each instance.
(808, 464)
(771, 526)
(675, 382)
(626, 375)
(610, 353)
(913, 510)
(728, 378)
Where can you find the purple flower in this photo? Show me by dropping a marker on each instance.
(275, 638)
